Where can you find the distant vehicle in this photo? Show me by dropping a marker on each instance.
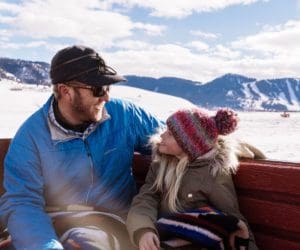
(285, 114)
(16, 88)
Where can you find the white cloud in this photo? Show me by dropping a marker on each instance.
(81, 21)
(12, 8)
(5, 35)
(198, 45)
(150, 29)
(273, 52)
(180, 61)
(225, 52)
(166, 60)
(33, 44)
(279, 40)
(7, 45)
(205, 35)
(78, 20)
(178, 8)
(263, 68)
(133, 45)
(6, 19)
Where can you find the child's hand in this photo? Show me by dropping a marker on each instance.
(242, 232)
(73, 244)
(149, 241)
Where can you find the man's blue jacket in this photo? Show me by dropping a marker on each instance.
(46, 167)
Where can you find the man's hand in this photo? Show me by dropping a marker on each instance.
(149, 241)
(242, 232)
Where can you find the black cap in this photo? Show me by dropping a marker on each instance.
(82, 64)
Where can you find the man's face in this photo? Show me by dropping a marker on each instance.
(85, 106)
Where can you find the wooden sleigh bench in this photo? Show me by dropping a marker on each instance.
(268, 193)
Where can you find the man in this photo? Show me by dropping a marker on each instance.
(73, 154)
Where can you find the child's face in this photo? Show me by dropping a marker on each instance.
(168, 145)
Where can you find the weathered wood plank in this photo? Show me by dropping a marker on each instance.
(275, 215)
(281, 177)
(269, 242)
(4, 143)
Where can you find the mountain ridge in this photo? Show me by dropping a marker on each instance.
(230, 90)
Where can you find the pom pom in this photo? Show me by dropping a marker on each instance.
(226, 121)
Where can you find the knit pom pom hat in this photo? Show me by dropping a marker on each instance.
(196, 132)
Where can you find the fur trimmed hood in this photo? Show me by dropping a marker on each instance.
(223, 157)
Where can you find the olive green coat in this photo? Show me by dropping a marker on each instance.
(199, 187)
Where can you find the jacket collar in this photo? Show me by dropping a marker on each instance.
(60, 134)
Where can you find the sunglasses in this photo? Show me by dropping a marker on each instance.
(97, 91)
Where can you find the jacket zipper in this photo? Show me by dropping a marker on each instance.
(87, 147)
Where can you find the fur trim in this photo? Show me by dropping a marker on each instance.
(222, 158)
(154, 142)
(246, 150)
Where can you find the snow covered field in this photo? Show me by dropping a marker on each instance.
(277, 137)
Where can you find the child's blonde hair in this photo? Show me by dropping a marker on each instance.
(170, 173)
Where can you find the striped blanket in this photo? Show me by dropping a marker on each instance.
(204, 227)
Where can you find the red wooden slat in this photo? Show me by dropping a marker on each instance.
(280, 197)
(3, 149)
(271, 163)
(271, 214)
(264, 176)
(267, 242)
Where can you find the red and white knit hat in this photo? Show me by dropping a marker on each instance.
(196, 132)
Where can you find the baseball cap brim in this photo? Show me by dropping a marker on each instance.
(98, 79)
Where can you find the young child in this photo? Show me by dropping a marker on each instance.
(191, 168)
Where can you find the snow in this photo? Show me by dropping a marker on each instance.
(230, 93)
(161, 105)
(277, 137)
(294, 99)
(249, 100)
(250, 89)
(16, 105)
(255, 89)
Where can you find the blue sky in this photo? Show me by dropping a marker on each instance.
(192, 39)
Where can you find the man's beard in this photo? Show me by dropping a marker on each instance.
(78, 108)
